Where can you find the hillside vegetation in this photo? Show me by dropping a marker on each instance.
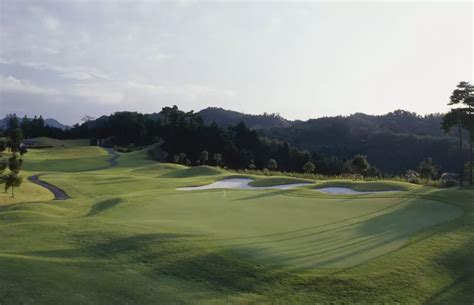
(394, 142)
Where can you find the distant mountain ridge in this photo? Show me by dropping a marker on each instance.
(224, 118)
(398, 121)
(48, 122)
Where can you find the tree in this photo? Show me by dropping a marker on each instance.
(309, 167)
(203, 157)
(217, 158)
(23, 150)
(12, 122)
(452, 119)
(14, 163)
(359, 164)
(468, 168)
(412, 176)
(15, 135)
(427, 169)
(3, 165)
(182, 158)
(464, 95)
(373, 171)
(3, 146)
(272, 164)
(176, 158)
(12, 180)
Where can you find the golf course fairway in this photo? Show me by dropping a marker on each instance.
(128, 236)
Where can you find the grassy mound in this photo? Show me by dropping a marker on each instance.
(67, 159)
(272, 181)
(368, 186)
(197, 171)
(159, 167)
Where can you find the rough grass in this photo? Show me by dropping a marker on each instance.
(128, 237)
(368, 185)
(44, 141)
(272, 181)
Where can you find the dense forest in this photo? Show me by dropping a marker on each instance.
(394, 142)
(183, 137)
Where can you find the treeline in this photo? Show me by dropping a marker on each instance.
(31, 128)
(183, 137)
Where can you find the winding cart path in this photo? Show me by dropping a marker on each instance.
(60, 194)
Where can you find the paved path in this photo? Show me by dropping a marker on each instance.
(112, 161)
(60, 194)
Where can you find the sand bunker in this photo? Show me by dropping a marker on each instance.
(348, 191)
(239, 183)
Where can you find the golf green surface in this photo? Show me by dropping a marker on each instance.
(127, 236)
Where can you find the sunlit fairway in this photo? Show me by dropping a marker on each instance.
(128, 236)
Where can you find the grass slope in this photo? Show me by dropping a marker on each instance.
(188, 172)
(44, 141)
(368, 186)
(272, 181)
(70, 159)
(128, 237)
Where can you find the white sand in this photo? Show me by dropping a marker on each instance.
(239, 183)
(348, 191)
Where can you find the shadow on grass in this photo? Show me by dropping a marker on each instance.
(161, 255)
(459, 263)
(102, 206)
(166, 255)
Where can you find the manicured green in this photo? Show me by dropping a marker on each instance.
(129, 237)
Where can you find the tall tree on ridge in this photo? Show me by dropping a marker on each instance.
(450, 120)
(463, 117)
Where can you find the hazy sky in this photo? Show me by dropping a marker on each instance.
(66, 59)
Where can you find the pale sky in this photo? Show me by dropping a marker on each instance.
(67, 59)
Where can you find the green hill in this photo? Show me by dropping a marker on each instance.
(128, 236)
